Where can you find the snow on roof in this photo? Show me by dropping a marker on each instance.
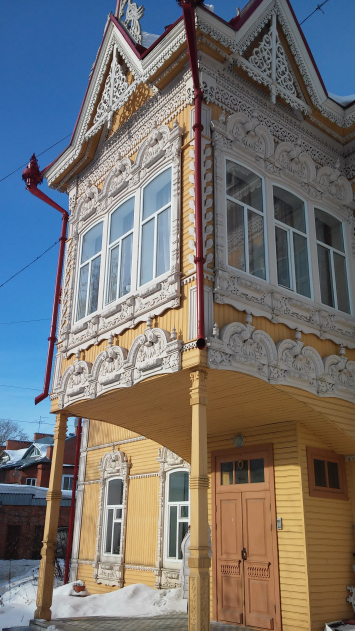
(342, 100)
(37, 491)
(15, 454)
(42, 448)
(148, 39)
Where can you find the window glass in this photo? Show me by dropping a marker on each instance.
(157, 194)
(256, 245)
(116, 542)
(244, 185)
(94, 285)
(92, 241)
(341, 282)
(109, 530)
(179, 487)
(172, 531)
(147, 256)
(282, 257)
(183, 527)
(301, 265)
(333, 475)
(241, 472)
(325, 276)
(115, 490)
(114, 258)
(319, 473)
(163, 246)
(114, 516)
(257, 470)
(289, 209)
(184, 511)
(329, 230)
(126, 266)
(82, 292)
(235, 229)
(227, 473)
(122, 220)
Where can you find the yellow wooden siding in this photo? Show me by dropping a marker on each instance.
(86, 574)
(289, 506)
(142, 522)
(89, 522)
(103, 433)
(330, 546)
(132, 577)
(142, 454)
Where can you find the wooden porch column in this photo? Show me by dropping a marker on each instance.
(199, 561)
(54, 495)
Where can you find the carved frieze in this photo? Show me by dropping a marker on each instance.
(241, 348)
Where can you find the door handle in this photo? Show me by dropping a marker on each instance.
(244, 554)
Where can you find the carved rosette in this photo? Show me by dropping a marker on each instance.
(241, 348)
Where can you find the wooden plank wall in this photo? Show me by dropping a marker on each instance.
(330, 546)
(289, 506)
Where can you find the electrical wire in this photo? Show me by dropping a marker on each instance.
(318, 8)
(4, 385)
(29, 264)
(22, 321)
(38, 154)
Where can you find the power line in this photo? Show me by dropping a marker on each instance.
(38, 154)
(318, 8)
(26, 266)
(4, 385)
(22, 321)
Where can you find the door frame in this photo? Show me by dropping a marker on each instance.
(239, 451)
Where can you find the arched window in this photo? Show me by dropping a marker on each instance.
(177, 513)
(119, 260)
(156, 228)
(291, 242)
(113, 517)
(89, 272)
(331, 261)
(245, 220)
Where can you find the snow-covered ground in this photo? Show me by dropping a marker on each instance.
(135, 600)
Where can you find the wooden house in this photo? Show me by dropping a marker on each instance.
(207, 328)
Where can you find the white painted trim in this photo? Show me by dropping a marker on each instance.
(79, 500)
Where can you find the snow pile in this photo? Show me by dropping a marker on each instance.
(342, 100)
(134, 600)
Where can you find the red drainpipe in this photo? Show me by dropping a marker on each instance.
(32, 176)
(188, 8)
(72, 505)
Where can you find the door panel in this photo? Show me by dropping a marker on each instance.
(258, 567)
(229, 567)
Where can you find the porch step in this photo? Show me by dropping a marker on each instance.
(174, 622)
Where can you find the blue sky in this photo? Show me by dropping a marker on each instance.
(46, 52)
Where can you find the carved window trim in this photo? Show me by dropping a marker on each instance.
(169, 561)
(313, 454)
(77, 322)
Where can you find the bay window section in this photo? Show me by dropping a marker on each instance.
(120, 252)
(331, 261)
(156, 228)
(245, 220)
(89, 272)
(113, 517)
(177, 513)
(291, 242)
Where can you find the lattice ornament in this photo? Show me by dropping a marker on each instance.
(115, 86)
(134, 14)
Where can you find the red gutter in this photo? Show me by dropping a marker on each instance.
(32, 176)
(72, 505)
(188, 8)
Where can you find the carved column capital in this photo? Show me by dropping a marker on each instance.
(198, 390)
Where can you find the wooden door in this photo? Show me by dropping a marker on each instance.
(246, 563)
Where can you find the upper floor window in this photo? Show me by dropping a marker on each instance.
(291, 242)
(245, 220)
(120, 252)
(155, 228)
(89, 272)
(31, 481)
(67, 482)
(113, 517)
(177, 513)
(331, 261)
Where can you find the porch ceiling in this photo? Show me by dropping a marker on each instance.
(159, 408)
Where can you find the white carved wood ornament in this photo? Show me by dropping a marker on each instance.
(241, 348)
(153, 352)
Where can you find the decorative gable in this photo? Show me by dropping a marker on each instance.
(134, 13)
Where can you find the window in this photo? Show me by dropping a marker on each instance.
(177, 513)
(245, 220)
(291, 242)
(113, 517)
(242, 471)
(31, 481)
(120, 252)
(331, 262)
(34, 452)
(89, 272)
(326, 474)
(67, 482)
(156, 228)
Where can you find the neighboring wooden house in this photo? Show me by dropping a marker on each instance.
(23, 462)
(265, 412)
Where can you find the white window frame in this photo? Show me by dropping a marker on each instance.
(154, 216)
(110, 246)
(109, 555)
(173, 562)
(80, 265)
(66, 475)
(31, 481)
(290, 247)
(332, 250)
(245, 216)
